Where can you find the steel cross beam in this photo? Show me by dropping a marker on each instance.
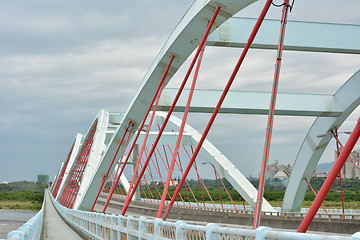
(223, 165)
(312, 148)
(236, 102)
(181, 43)
(300, 36)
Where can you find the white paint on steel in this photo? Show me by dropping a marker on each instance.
(97, 149)
(181, 43)
(312, 148)
(74, 153)
(300, 36)
(241, 102)
(224, 166)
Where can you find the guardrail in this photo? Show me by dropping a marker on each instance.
(31, 229)
(332, 213)
(105, 226)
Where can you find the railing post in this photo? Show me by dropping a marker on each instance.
(355, 236)
(129, 226)
(157, 228)
(112, 222)
(97, 225)
(141, 226)
(260, 232)
(209, 230)
(119, 226)
(180, 230)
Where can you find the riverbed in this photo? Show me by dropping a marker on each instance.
(13, 219)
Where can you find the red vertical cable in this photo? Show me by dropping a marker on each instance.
(307, 181)
(117, 174)
(331, 178)
(342, 146)
(181, 131)
(126, 204)
(269, 127)
(112, 162)
(341, 185)
(226, 190)
(61, 176)
(147, 113)
(158, 170)
(217, 183)
(157, 193)
(166, 168)
(186, 182)
(251, 38)
(145, 139)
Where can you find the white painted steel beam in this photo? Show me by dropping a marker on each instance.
(312, 148)
(300, 36)
(97, 149)
(181, 43)
(224, 166)
(293, 104)
(74, 153)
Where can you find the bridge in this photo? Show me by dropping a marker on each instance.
(118, 182)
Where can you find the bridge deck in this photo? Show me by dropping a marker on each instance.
(54, 226)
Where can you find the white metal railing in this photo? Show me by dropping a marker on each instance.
(351, 214)
(31, 229)
(105, 226)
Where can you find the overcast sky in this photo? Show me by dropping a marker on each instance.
(63, 61)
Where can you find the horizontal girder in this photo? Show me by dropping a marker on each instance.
(300, 36)
(292, 104)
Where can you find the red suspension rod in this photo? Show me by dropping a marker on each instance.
(312, 189)
(181, 131)
(116, 180)
(207, 129)
(269, 127)
(107, 173)
(331, 178)
(143, 122)
(207, 31)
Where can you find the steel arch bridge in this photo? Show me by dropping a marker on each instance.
(115, 138)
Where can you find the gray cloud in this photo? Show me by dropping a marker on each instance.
(63, 61)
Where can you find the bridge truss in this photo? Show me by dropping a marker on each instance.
(99, 161)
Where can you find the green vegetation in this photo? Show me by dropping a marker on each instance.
(274, 192)
(22, 195)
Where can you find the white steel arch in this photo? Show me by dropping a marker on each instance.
(312, 148)
(223, 165)
(181, 43)
(74, 153)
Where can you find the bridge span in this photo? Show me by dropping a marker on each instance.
(137, 153)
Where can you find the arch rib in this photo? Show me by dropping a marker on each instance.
(313, 147)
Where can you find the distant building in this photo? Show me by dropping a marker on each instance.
(43, 178)
(276, 171)
(350, 170)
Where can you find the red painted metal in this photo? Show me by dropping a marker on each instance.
(111, 164)
(227, 190)
(217, 183)
(247, 46)
(181, 131)
(312, 189)
(178, 163)
(116, 180)
(331, 178)
(126, 204)
(161, 83)
(75, 175)
(341, 185)
(269, 127)
(338, 140)
(61, 176)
